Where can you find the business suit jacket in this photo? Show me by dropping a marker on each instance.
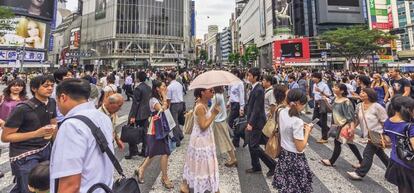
(140, 106)
(255, 108)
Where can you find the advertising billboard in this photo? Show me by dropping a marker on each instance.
(26, 32)
(291, 51)
(42, 9)
(74, 39)
(349, 3)
(12, 55)
(282, 20)
(100, 9)
(380, 14)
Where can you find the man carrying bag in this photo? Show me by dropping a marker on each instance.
(78, 159)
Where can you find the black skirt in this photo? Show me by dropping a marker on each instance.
(157, 147)
(400, 176)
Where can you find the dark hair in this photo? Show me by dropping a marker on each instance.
(372, 94)
(110, 79)
(351, 77)
(302, 75)
(75, 88)
(142, 76)
(292, 76)
(156, 84)
(172, 75)
(317, 75)
(402, 104)
(37, 81)
(39, 176)
(294, 96)
(343, 88)
(15, 82)
(364, 80)
(345, 79)
(279, 91)
(269, 78)
(197, 92)
(60, 73)
(396, 70)
(255, 72)
(88, 78)
(218, 89)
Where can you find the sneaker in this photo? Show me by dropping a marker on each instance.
(322, 141)
(354, 176)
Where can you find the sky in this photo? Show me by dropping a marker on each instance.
(208, 12)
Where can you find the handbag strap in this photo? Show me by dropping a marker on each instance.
(101, 141)
(365, 120)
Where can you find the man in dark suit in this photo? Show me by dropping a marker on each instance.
(256, 120)
(140, 112)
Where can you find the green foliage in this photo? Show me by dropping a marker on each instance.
(356, 42)
(203, 55)
(234, 58)
(250, 55)
(210, 62)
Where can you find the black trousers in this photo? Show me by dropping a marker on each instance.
(234, 113)
(256, 152)
(176, 109)
(369, 152)
(323, 121)
(133, 147)
(129, 92)
(338, 149)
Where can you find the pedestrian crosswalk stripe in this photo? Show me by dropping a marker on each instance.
(328, 175)
(348, 156)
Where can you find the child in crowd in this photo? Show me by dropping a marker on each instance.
(39, 178)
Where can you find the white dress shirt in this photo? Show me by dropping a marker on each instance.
(75, 150)
(323, 87)
(175, 92)
(236, 94)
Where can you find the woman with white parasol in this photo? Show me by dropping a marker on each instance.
(201, 166)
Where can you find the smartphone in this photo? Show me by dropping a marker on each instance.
(315, 121)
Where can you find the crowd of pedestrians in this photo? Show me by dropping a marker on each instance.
(47, 143)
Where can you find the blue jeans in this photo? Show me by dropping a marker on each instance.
(22, 167)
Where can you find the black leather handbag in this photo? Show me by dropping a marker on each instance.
(122, 185)
(405, 151)
(132, 134)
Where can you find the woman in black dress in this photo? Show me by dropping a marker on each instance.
(156, 147)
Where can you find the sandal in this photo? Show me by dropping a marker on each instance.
(167, 184)
(231, 164)
(184, 189)
(326, 163)
(139, 179)
(356, 166)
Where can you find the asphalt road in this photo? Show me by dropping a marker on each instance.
(235, 180)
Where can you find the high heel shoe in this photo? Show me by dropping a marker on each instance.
(139, 179)
(184, 189)
(232, 164)
(167, 184)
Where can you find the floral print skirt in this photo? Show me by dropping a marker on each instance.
(292, 173)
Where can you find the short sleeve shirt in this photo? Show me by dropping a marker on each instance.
(75, 150)
(269, 100)
(399, 85)
(391, 129)
(291, 128)
(27, 120)
(175, 92)
(152, 102)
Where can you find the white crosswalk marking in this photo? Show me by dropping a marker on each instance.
(347, 154)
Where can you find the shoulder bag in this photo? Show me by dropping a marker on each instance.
(273, 146)
(270, 125)
(122, 185)
(405, 151)
(376, 138)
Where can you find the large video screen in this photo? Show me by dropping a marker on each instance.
(348, 3)
(25, 32)
(292, 50)
(42, 9)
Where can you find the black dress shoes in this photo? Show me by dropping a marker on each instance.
(131, 155)
(253, 171)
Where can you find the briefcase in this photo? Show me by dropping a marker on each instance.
(132, 134)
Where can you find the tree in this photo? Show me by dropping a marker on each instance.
(203, 55)
(210, 62)
(5, 23)
(356, 42)
(234, 58)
